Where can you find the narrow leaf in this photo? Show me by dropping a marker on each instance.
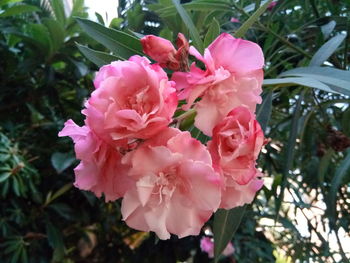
(326, 50)
(61, 161)
(121, 43)
(55, 240)
(337, 180)
(323, 71)
(328, 28)
(226, 223)
(263, 111)
(61, 191)
(4, 176)
(56, 31)
(300, 81)
(97, 57)
(213, 32)
(19, 9)
(58, 9)
(324, 164)
(251, 20)
(336, 85)
(336, 79)
(189, 23)
(290, 148)
(196, 6)
(99, 18)
(6, 2)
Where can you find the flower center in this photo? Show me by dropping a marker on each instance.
(166, 184)
(139, 101)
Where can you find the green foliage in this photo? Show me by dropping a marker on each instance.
(305, 114)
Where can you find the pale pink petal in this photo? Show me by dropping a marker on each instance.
(240, 55)
(238, 195)
(85, 176)
(204, 184)
(184, 220)
(194, 150)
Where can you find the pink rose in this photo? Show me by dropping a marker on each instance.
(207, 246)
(133, 100)
(163, 51)
(100, 169)
(233, 77)
(176, 189)
(235, 146)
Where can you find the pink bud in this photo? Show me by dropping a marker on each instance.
(234, 20)
(158, 48)
(163, 51)
(271, 5)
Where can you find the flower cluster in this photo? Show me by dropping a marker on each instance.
(131, 146)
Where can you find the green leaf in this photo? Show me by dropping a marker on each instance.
(322, 71)
(213, 32)
(61, 191)
(336, 79)
(121, 43)
(166, 33)
(251, 20)
(324, 164)
(4, 176)
(99, 18)
(6, 2)
(5, 188)
(55, 240)
(81, 67)
(337, 180)
(58, 9)
(19, 9)
(263, 111)
(299, 81)
(40, 36)
(226, 223)
(195, 6)
(116, 22)
(56, 32)
(15, 186)
(63, 210)
(24, 255)
(16, 255)
(328, 28)
(290, 149)
(326, 50)
(189, 24)
(61, 161)
(97, 57)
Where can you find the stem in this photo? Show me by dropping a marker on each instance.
(185, 115)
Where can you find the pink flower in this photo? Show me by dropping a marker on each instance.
(234, 20)
(271, 5)
(176, 189)
(100, 169)
(207, 245)
(163, 51)
(133, 100)
(158, 48)
(233, 77)
(235, 146)
(235, 194)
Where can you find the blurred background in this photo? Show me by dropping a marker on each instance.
(300, 215)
